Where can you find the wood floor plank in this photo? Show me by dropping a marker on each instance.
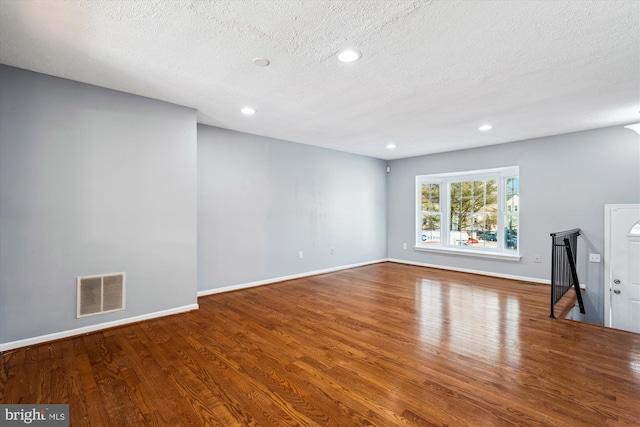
(385, 344)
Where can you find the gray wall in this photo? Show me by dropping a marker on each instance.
(261, 200)
(565, 181)
(92, 181)
(96, 181)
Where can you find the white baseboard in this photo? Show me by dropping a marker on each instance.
(399, 261)
(284, 278)
(92, 328)
(483, 273)
(468, 270)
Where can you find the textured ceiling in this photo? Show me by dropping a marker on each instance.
(431, 71)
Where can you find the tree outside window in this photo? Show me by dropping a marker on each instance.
(473, 207)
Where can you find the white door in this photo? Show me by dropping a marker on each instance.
(622, 267)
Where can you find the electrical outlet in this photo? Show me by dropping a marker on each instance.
(594, 257)
(300, 255)
(332, 250)
(537, 258)
(404, 246)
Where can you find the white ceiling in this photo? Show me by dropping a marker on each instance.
(431, 71)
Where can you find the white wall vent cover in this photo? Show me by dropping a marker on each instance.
(100, 294)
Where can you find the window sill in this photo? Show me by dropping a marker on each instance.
(468, 252)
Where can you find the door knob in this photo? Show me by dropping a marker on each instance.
(616, 291)
(617, 282)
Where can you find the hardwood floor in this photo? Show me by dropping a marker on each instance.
(386, 344)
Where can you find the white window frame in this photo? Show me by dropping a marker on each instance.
(444, 180)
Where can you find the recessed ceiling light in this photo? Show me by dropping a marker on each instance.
(485, 128)
(260, 62)
(248, 111)
(349, 55)
(391, 146)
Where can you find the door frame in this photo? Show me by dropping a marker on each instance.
(608, 209)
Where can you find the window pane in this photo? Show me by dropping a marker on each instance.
(461, 227)
(454, 221)
(491, 223)
(513, 186)
(512, 194)
(478, 188)
(431, 197)
(469, 208)
(489, 237)
(511, 232)
(430, 228)
(483, 234)
(465, 188)
(467, 205)
(435, 197)
(426, 197)
(454, 189)
(491, 191)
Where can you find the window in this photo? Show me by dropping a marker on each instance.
(512, 201)
(470, 212)
(431, 215)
